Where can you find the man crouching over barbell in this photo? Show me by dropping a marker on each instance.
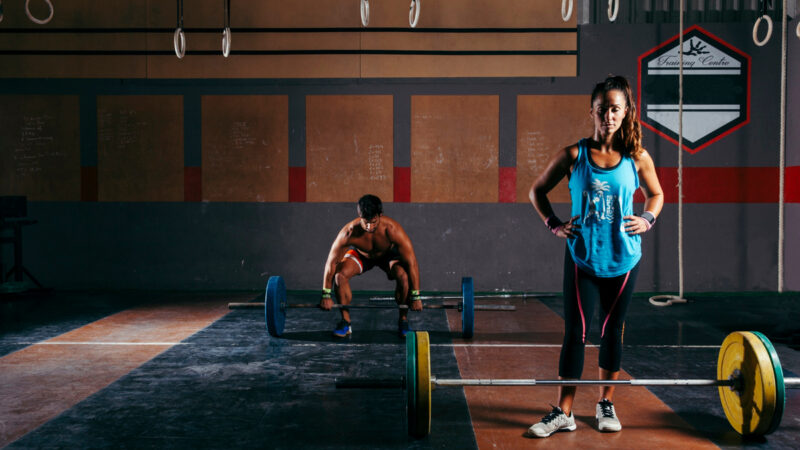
(368, 241)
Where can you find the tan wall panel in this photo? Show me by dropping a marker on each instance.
(260, 41)
(399, 66)
(237, 66)
(75, 41)
(479, 14)
(346, 13)
(454, 148)
(70, 66)
(545, 124)
(245, 148)
(296, 13)
(40, 147)
(288, 66)
(473, 41)
(79, 13)
(196, 13)
(140, 148)
(301, 13)
(349, 147)
(260, 14)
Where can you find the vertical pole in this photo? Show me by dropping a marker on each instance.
(781, 175)
(680, 155)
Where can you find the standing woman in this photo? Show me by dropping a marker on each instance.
(603, 241)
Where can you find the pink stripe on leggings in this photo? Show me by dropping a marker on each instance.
(580, 307)
(619, 294)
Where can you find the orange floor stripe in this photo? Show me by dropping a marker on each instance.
(500, 415)
(43, 380)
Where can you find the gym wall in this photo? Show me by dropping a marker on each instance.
(152, 172)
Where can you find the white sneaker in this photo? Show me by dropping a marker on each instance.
(606, 416)
(554, 421)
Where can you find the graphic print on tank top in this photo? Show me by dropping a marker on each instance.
(602, 205)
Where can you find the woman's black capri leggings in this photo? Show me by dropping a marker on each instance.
(582, 292)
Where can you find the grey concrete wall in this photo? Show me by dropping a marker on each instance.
(503, 246)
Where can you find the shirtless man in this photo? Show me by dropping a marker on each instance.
(368, 241)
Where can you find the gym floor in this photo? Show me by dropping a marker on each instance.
(164, 370)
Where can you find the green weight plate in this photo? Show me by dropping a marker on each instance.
(275, 305)
(411, 382)
(780, 399)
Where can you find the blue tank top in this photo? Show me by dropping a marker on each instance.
(601, 198)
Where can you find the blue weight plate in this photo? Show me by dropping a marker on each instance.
(468, 307)
(275, 306)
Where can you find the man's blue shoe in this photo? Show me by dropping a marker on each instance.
(403, 328)
(343, 329)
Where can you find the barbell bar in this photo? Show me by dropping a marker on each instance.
(275, 306)
(522, 295)
(532, 382)
(750, 382)
(458, 306)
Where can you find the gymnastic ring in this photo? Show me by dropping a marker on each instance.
(179, 41)
(365, 12)
(226, 42)
(613, 16)
(666, 300)
(413, 13)
(34, 19)
(566, 15)
(769, 31)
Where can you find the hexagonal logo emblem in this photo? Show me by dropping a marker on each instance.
(716, 89)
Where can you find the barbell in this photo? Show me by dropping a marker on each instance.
(750, 380)
(275, 306)
(499, 295)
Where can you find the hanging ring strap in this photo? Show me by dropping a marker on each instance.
(179, 39)
(613, 9)
(769, 30)
(34, 19)
(365, 12)
(226, 33)
(413, 13)
(566, 13)
(764, 15)
(226, 42)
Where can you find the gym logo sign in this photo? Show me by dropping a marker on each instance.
(716, 89)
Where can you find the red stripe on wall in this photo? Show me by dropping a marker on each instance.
(402, 184)
(192, 184)
(727, 185)
(88, 183)
(791, 191)
(297, 184)
(507, 189)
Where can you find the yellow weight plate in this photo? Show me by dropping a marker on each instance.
(749, 409)
(423, 416)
